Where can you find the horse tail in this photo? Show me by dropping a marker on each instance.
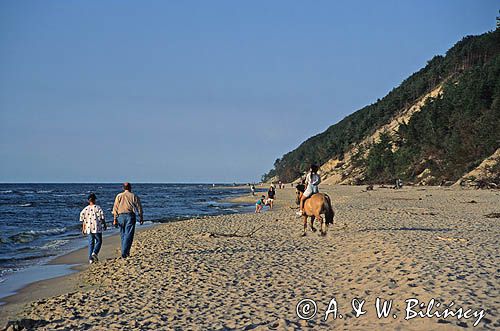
(329, 213)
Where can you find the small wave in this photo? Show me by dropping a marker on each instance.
(27, 249)
(24, 258)
(45, 191)
(26, 205)
(6, 192)
(73, 235)
(7, 212)
(22, 238)
(29, 236)
(70, 195)
(72, 227)
(54, 244)
(6, 271)
(50, 231)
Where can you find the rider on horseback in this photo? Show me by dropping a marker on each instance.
(312, 182)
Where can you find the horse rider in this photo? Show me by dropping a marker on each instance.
(312, 182)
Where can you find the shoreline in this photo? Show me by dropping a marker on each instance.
(75, 261)
(71, 261)
(249, 270)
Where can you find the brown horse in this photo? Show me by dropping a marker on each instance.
(316, 205)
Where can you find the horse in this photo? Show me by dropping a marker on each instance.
(316, 205)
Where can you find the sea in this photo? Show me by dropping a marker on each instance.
(41, 221)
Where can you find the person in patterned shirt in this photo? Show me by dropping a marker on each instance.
(93, 223)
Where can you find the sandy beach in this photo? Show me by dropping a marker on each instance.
(249, 271)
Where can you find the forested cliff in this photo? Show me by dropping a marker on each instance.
(438, 125)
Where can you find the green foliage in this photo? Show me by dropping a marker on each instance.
(455, 130)
(460, 129)
(380, 160)
(358, 158)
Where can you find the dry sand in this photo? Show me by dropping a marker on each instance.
(393, 244)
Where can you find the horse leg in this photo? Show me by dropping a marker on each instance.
(322, 225)
(313, 229)
(305, 225)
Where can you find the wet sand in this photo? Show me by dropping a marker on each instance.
(249, 271)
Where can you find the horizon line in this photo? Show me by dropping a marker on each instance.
(132, 182)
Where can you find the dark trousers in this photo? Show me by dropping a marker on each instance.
(126, 222)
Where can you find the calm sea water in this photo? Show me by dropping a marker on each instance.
(40, 221)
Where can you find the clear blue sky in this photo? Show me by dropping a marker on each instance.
(199, 91)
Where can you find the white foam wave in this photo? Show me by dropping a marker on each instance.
(54, 244)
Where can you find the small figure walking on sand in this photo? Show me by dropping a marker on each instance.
(127, 204)
(252, 188)
(260, 204)
(93, 223)
(271, 195)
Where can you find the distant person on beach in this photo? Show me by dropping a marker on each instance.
(260, 204)
(312, 182)
(271, 195)
(93, 223)
(127, 204)
(252, 188)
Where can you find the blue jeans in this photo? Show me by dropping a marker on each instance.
(126, 222)
(95, 242)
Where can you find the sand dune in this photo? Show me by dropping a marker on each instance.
(418, 243)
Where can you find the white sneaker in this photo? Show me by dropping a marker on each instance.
(91, 261)
(94, 257)
(299, 213)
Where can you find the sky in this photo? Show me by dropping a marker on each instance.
(200, 91)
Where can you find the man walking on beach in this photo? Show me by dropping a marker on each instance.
(124, 213)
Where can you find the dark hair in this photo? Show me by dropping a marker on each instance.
(263, 196)
(92, 197)
(127, 186)
(314, 168)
